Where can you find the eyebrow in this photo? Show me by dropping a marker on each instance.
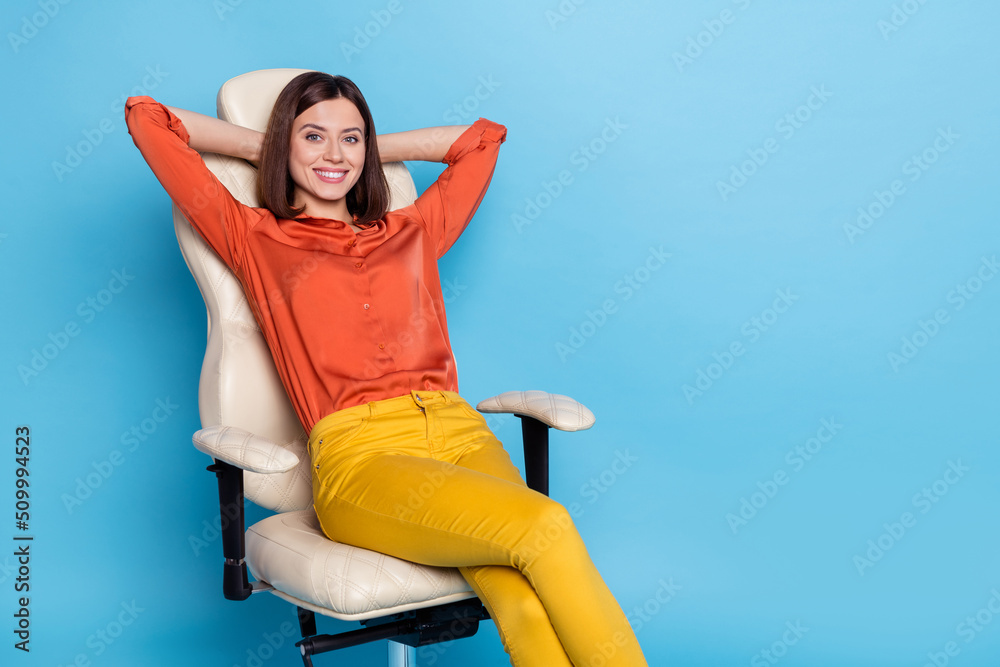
(323, 129)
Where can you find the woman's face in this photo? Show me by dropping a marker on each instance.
(326, 156)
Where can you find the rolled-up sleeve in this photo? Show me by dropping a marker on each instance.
(221, 219)
(447, 206)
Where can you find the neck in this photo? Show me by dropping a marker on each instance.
(332, 210)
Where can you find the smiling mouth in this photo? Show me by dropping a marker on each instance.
(331, 175)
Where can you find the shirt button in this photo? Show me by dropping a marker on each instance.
(381, 346)
(359, 265)
(367, 306)
(350, 244)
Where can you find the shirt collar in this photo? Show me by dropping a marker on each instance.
(339, 225)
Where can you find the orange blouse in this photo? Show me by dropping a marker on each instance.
(349, 317)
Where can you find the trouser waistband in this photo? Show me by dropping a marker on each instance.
(415, 399)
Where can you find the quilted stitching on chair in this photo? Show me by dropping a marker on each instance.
(555, 410)
(245, 450)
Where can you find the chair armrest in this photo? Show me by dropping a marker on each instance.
(539, 411)
(244, 450)
(554, 410)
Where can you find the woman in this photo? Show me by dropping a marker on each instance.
(401, 464)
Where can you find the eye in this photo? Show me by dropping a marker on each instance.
(351, 139)
(312, 136)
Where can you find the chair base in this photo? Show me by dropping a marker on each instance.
(413, 628)
(401, 655)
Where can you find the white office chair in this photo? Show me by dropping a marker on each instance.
(259, 451)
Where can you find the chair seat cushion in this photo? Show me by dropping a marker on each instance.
(290, 552)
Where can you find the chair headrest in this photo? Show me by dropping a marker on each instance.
(247, 99)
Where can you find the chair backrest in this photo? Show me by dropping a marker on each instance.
(239, 384)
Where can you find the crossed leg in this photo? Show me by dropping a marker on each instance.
(472, 518)
(524, 626)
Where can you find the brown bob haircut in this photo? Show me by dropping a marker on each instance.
(368, 199)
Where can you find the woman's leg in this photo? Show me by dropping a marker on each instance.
(520, 617)
(523, 623)
(384, 490)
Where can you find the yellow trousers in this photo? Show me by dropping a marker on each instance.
(422, 478)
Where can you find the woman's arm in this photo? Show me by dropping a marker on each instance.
(165, 144)
(211, 135)
(447, 205)
(429, 143)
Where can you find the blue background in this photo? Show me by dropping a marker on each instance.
(686, 95)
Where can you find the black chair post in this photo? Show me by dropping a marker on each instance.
(235, 582)
(536, 453)
(307, 621)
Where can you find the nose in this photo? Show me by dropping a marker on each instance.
(333, 151)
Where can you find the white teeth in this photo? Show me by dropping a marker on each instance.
(330, 174)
